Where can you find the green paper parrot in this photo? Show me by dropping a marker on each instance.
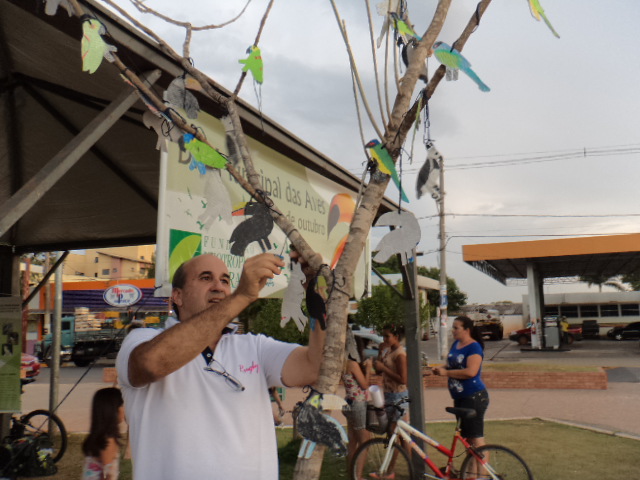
(94, 48)
(253, 63)
(385, 164)
(402, 27)
(204, 153)
(453, 59)
(538, 13)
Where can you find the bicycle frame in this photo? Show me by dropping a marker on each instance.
(404, 430)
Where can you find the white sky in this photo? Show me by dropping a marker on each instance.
(548, 97)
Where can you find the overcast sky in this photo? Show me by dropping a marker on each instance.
(552, 102)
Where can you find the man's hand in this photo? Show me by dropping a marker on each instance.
(255, 274)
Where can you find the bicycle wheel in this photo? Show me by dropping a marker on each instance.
(503, 462)
(49, 429)
(368, 459)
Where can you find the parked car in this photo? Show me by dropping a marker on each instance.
(630, 331)
(523, 336)
(590, 329)
(29, 365)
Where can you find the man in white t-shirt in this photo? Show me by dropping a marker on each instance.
(196, 397)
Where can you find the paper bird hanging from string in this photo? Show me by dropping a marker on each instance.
(164, 129)
(94, 48)
(384, 9)
(402, 27)
(409, 55)
(385, 164)
(453, 59)
(233, 149)
(341, 212)
(428, 180)
(292, 299)
(317, 427)
(257, 228)
(253, 63)
(203, 153)
(178, 96)
(400, 241)
(51, 6)
(218, 204)
(315, 299)
(538, 13)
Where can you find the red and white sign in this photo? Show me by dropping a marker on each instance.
(122, 295)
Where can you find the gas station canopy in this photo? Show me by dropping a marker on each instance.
(606, 256)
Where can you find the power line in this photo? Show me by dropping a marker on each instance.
(531, 215)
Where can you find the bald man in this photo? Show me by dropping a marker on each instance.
(196, 395)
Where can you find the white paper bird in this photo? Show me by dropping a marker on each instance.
(292, 300)
(217, 205)
(428, 180)
(158, 124)
(51, 7)
(402, 240)
(384, 9)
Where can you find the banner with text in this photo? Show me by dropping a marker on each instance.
(204, 210)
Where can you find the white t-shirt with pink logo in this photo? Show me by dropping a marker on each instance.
(193, 425)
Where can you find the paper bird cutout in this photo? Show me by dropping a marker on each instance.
(233, 149)
(218, 203)
(317, 427)
(203, 153)
(341, 212)
(385, 164)
(253, 63)
(402, 27)
(400, 241)
(316, 302)
(453, 59)
(429, 176)
(94, 48)
(51, 6)
(384, 9)
(254, 229)
(292, 299)
(538, 12)
(408, 56)
(164, 130)
(178, 96)
(195, 164)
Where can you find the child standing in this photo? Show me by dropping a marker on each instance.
(102, 446)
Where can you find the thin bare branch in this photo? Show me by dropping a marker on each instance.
(354, 69)
(255, 42)
(374, 56)
(406, 121)
(142, 7)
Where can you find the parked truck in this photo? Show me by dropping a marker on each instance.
(81, 343)
(488, 323)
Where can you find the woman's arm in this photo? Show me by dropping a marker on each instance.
(474, 362)
(108, 455)
(398, 376)
(356, 371)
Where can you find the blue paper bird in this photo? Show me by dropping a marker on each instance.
(385, 164)
(453, 59)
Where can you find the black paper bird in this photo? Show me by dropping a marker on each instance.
(316, 427)
(254, 229)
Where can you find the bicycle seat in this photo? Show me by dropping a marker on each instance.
(462, 412)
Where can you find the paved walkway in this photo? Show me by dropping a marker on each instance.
(613, 410)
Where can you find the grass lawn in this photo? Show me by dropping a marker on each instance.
(551, 450)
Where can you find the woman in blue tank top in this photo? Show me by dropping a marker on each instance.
(464, 369)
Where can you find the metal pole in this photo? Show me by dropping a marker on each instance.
(54, 364)
(414, 362)
(444, 301)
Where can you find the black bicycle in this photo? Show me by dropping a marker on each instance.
(36, 442)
